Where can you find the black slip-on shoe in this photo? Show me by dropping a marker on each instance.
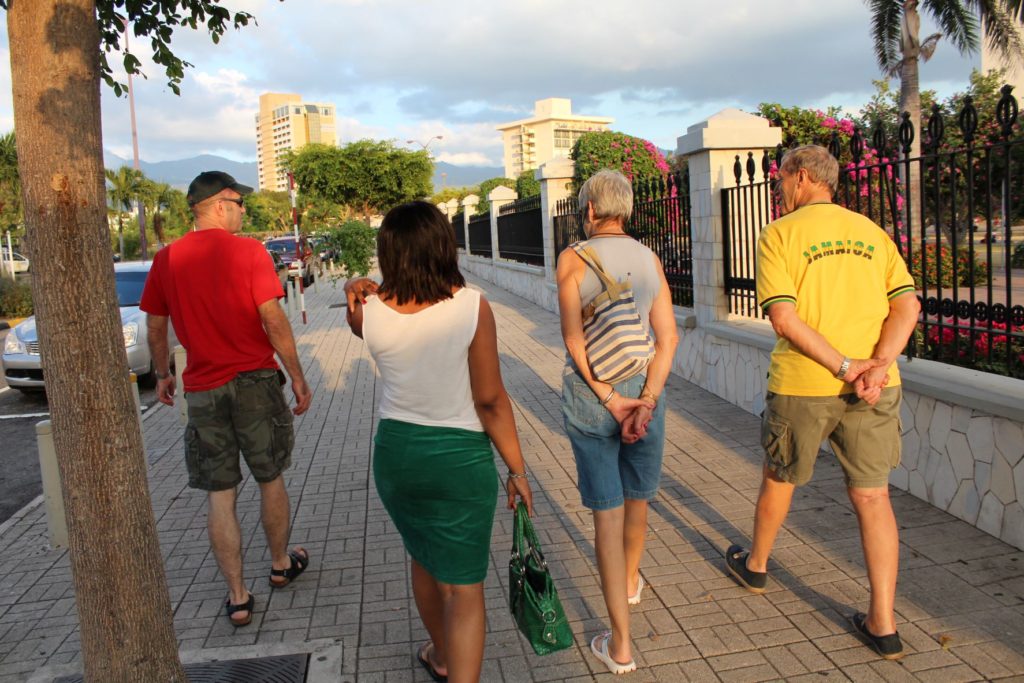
(889, 647)
(736, 563)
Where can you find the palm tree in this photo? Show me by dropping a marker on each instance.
(896, 29)
(124, 186)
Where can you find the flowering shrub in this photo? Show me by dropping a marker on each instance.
(636, 158)
(958, 344)
(941, 266)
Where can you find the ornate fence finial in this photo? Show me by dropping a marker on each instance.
(906, 132)
(737, 169)
(856, 145)
(968, 119)
(751, 168)
(1007, 110)
(766, 164)
(936, 128)
(834, 148)
(779, 153)
(878, 139)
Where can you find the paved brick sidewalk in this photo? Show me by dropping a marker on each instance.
(961, 593)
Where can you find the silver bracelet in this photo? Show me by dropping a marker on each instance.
(608, 397)
(513, 475)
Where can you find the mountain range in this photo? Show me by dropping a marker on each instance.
(179, 173)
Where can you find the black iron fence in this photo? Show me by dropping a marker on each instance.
(568, 224)
(459, 226)
(661, 220)
(521, 232)
(951, 213)
(746, 208)
(480, 235)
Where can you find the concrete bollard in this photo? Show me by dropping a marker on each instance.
(53, 497)
(180, 361)
(138, 404)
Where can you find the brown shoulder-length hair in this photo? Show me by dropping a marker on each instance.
(416, 254)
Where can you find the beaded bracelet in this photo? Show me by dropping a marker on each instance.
(513, 475)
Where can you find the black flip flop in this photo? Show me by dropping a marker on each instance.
(297, 566)
(424, 660)
(888, 647)
(246, 606)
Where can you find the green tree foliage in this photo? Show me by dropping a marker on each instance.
(10, 186)
(267, 212)
(485, 188)
(15, 298)
(355, 243)
(527, 184)
(448, 193)
(368, 176)
(636, 158)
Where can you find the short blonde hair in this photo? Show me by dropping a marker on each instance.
(610, 194)
(819, 163)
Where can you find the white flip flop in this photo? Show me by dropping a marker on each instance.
(635, 598)
(602, 653)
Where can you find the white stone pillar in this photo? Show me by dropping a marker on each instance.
(555, 180)
(711, 147)
(498, 197)
(469, 204)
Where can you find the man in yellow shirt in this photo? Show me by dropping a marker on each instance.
(843, 305)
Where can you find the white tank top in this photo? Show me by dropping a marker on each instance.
(423, 360)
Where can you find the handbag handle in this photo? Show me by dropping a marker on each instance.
(590, 257)
(524, 537)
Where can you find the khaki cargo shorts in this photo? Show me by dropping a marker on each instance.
(865, 438)
(248, 414)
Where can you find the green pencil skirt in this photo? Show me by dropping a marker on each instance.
(440, 487)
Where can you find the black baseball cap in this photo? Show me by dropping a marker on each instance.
(209, 183)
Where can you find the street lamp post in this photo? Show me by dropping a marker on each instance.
(425, 145)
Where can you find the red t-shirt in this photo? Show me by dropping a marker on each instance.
(210, 283)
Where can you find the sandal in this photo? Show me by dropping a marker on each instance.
(635, 598)
(297, 566)
(246, 606)
(601, 651)
(424, 660)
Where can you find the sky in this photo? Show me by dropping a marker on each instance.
(415, 69)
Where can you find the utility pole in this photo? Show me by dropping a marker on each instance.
(139, 205)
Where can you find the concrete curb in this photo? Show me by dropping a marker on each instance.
(325, 657)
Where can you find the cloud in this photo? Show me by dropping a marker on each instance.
(398, 69)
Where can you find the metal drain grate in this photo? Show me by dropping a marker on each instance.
(284, 669)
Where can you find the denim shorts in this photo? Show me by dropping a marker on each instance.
(608, 470)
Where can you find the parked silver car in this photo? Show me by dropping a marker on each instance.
(23, 367)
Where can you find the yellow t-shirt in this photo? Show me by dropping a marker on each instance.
(840, 270)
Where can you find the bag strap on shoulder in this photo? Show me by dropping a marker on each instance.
(591, 258)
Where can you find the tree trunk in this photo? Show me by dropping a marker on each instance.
(124, 609)
(910, 101)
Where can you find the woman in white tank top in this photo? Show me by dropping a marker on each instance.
(442, 405)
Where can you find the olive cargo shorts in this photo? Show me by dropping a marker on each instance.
(865, 438)
(250, 414)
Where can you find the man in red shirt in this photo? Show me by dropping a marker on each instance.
(221, 293)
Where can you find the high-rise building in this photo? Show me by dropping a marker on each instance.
(285, 122)
(548, 134)
(1014, 65)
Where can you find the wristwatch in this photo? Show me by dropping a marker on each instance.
(844, 368)
(161, 375)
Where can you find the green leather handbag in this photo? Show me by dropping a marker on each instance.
(531, 594)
